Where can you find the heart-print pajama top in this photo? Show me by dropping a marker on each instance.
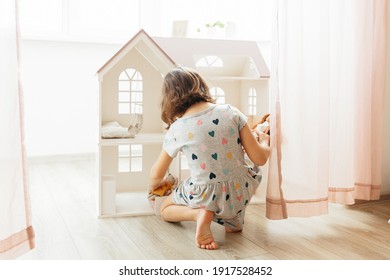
(220, 180)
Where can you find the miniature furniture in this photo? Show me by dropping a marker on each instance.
(130, 86)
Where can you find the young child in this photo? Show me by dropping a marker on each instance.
(211, 136)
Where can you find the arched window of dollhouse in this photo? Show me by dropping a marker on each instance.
(252, 101)
(130, 92)
(218, 94)
(209, 61)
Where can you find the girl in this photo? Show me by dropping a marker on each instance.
(212, 137)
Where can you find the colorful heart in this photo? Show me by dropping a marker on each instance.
(199, 122)
(212, 133)
(224, 141)
(203, 166)
(214, 156)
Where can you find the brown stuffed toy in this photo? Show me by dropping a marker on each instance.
(164, 188)
(263, 125)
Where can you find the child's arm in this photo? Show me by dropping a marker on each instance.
(257, 151)
(159, 169)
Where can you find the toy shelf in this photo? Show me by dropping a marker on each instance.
(123, 188)
(142, 138)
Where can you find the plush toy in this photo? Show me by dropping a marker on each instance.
(263, 125)
(164, 188)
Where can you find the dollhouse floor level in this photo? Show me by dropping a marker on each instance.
(131, 204)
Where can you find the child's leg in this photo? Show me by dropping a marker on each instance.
(204, 236)
(171, 212)
(235, 224)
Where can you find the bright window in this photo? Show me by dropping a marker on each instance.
(41, 17)
(119, 20)
(130, 92)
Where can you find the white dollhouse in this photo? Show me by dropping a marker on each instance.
(129, 94)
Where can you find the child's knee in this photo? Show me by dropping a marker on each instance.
(166, 203)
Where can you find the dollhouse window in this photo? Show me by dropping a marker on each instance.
(130, 92)
(129, 158)
(252, 97)
(218, 94)
(183, 162)
(209, 61)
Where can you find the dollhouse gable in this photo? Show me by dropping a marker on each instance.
(147, 47)
(130, 83)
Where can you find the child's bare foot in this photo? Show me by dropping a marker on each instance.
(204, 237)
(231, 230)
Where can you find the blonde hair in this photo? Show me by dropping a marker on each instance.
(182, 88)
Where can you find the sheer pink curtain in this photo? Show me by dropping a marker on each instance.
(16, 232)
(327, 96)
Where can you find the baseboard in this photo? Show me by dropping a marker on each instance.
(62, 158)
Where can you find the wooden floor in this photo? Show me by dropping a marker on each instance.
(66, 226)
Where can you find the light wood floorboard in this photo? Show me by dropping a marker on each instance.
(63, 196)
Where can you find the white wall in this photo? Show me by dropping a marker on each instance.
(61, 95)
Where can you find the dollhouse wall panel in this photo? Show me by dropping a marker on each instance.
(232, 91)
(260, 87)
(151, 91)
(109, 160)
(136, 177)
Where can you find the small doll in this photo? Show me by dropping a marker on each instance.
(263, 125)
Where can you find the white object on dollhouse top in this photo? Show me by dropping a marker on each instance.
(130, 128)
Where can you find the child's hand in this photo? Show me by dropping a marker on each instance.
(169, 180)
(261, 137)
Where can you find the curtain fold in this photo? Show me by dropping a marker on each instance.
(16, 231)
(326, 103)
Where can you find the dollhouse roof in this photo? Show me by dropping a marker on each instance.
(217, 58)
(213, 58)
(148, 48)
